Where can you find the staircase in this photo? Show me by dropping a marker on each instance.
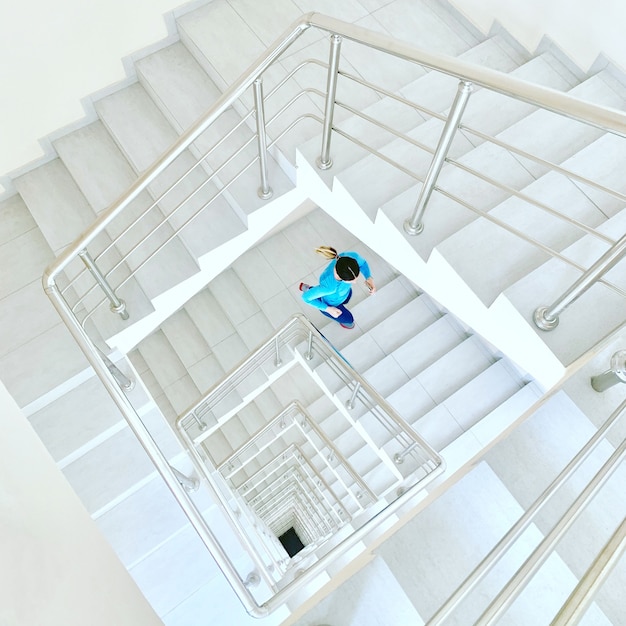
(202, 300)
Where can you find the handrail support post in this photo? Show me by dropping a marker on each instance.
(613, 376)
(324, 161)
(190, 485)
(265, 191)
(414, 224)
(117, 304)
(547, 317)
(350, 403)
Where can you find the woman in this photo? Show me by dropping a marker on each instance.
(334, 290)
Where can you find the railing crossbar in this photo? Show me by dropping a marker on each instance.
(525, 237)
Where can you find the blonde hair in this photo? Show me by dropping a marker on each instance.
(327, 252)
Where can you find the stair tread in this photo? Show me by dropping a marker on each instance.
(92, 412)
(505, 112)
(453, 370)
(591, 317)
(185, 338)
(522, 256)
(104, 174)
(482, 394)
(551, 136)
(429, 345)
(47, 188)
(162, 359)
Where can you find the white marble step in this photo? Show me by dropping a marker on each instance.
(388, 182)
(167, 73)
(432, 90)
(549, 439)
(88, 415)
(37, 354)
(453, 534)
(481, 242)
(48, 190)
(169, 371)
(45, 190)
(591, 317)
(103, 175)
(144, 134)
(552, 137)
(357, 601)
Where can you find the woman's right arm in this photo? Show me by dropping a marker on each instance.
(314, 296)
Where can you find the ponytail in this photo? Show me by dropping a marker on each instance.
(327, 252)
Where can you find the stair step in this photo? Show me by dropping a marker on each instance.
(125, 525)
(131, 117)
(41, 365)
(432, 90)
(172, 71)
(454, 369)
(233, 296)
(406, 322)
(91, 150)
(482, 394)
(481, 497)
(185, 557)
(47, 188)
(182, 394)
(101, 479)
(162, 359)
(555, 233)
(209, 31)
(589, 319)
(185, 338)
(51, 185)
(423, 350)
(387, 181)
(209, 317)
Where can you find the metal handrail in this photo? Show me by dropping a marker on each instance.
(526, 519)
(564, 104)
(521, 578)
(261, 483)
(582, 596)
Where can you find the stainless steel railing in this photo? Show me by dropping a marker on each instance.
(521, 578)
(132, 232)
(285, 479)
(117, 260)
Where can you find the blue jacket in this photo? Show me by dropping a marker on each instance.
(330, 291)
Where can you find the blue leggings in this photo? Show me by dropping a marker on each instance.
(345, 317)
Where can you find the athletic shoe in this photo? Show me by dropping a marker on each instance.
(304, 287)
(348, 326)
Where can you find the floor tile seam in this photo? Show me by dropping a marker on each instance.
(185, 525)
(172, 360)
(38, 336)
(126, 493)
(412, 333)
(29, 231)
(92, 443)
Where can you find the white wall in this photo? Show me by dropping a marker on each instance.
(581, 28)
(56, 53)
(56, 568)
